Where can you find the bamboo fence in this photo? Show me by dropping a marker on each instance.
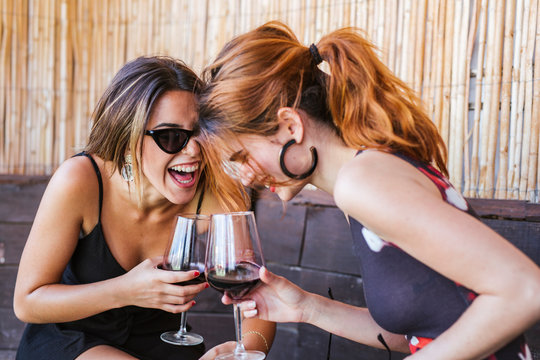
(475, 64)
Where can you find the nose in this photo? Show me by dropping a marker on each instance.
(192, 148)
(247, 176)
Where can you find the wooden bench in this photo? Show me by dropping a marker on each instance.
(304, 243)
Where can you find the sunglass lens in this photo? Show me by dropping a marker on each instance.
(172, 140)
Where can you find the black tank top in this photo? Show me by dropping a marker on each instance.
(132, 329)
(403, 295)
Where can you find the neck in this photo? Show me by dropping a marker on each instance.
(333, 154)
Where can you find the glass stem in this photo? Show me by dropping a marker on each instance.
(182, 329)
(240, 349)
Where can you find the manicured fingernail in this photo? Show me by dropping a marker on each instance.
(251, 304)
(250, 313)
(193, 303)
(196, 273)
(206, 286)
(272, 188)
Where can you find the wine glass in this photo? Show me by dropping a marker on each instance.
(233, 260)
(185, 252)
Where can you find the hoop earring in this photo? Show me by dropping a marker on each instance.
(127, 169)
(314, 160)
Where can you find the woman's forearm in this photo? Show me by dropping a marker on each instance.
(61, 303)
(351, 322)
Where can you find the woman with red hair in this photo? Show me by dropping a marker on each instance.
(333, 115)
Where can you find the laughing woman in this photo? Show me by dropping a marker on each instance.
(435, 277)
(88, 284)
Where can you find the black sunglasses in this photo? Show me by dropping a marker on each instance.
(171, 141)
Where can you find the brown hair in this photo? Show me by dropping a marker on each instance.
(267, 68)
(124, 109)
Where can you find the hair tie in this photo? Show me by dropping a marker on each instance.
(317, 59)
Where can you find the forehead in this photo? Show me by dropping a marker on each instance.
(174, 107)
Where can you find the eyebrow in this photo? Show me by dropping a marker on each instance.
(166, 125)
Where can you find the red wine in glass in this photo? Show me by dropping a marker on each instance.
(236, 283)
(186, 252)
(233, 259)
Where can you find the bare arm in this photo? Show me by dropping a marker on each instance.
(452, 243)
(39, 297)
(280, 300)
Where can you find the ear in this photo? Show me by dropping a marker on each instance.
(291, 125)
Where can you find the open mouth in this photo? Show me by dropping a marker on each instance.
(183, 174)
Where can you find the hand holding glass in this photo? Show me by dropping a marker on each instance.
(233, 260)
(185, 252)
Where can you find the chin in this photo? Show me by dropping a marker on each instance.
(287, 194)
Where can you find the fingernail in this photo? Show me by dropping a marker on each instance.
(196, 273)
(272, 188)
(206, 286)
(251, 304)
(193, 303)
(250, 313)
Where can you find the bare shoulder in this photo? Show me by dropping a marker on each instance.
(74, 186)
(374, 178)
(74, 176)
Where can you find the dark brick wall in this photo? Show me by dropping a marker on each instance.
(309, 243)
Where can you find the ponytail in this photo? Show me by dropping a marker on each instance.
(258, 72)
(371, 107)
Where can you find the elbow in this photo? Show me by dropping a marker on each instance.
(528, 297)
(22, 309)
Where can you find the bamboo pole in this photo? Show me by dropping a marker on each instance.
(493, 70)
(506, 93)
(459, 120)
(21, 90)
(527, 118)
(470, 50)
(390, 34)
(436, 84)
(453, 135)
(427, 76)
(420, 45)
(514, 113)
(532, 189)
(520, 105)
(5, 53)
(447, 72)
(3, 86)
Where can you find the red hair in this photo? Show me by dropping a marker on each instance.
(267, 68)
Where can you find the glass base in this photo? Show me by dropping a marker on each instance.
(185, 339)
(248, 355)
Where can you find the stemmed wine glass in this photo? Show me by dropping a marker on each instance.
(185, 252)
(233, 260)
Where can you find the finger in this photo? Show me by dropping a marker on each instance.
(226, 300)
(179, 276)
(247, 305)
(250, 313)
(176, 309)
(185, 290)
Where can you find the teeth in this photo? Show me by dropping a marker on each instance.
(186, 169)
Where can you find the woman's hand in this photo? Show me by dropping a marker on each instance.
(275, 299)
(227, 347)
(147, 286)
